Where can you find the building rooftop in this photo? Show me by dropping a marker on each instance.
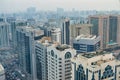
(82, 25)
(53, 30)
(67, 19)
(82, 36)
(95, 59)
(44, 40)
(62, 47)
(25, 28)
(93, 54)
(37, 31)
(3, 24)
(103, 16)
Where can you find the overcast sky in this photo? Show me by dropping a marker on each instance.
(21, 5)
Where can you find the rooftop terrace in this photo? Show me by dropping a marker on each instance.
(90, 37)
(44, 40)
(62, 47)
(93, 54)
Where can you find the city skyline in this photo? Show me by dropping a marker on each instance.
(8, 6)
(59, 40)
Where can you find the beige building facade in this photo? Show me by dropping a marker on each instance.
(78, 29)
(95, 66)
(107, 27)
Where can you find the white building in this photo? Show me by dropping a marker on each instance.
(86, 43)
(95, 66)
(56, 35)
(2, 73)
(41, 57)
(4, 35)
(59, 62)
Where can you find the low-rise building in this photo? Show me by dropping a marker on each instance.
(86, 43)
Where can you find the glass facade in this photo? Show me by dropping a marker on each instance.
(67, 25)
(95, 22)
(93, 76)
(63, 33)
(113, 23)
(27, 55)
(66, 32)
(81, 48)
(80, 73)
(104, 32)
(108, 72)
(38, 64)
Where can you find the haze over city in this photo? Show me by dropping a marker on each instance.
(21, 5)
(59, 40)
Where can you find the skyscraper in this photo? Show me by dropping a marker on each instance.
(4, 35)
(26, 50)
(56, 35)
(41, 57)
(60, 12)
(66, 32)
(77, 29)
(30, 12)
(107, 27)
(59, 61)
(14, 25)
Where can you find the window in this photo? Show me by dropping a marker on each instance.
(60, 65)
(52, 53)
(55, 56)
(108, 72)
(68, 55)
(60, 62)
(60, 59)
(81, 73)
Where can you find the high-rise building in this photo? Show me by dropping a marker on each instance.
(107, 27)
(14, 25)
(66, 32)
(56, 34)
(60, 12)
(2, 20)
(2, 73)
(78, 29)
(41, 57)
(86, 43)
(95, 66)
(59, 62)
(4, 35)
(31, 22)
(26, 37)
(10, 19)
(30, 12)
